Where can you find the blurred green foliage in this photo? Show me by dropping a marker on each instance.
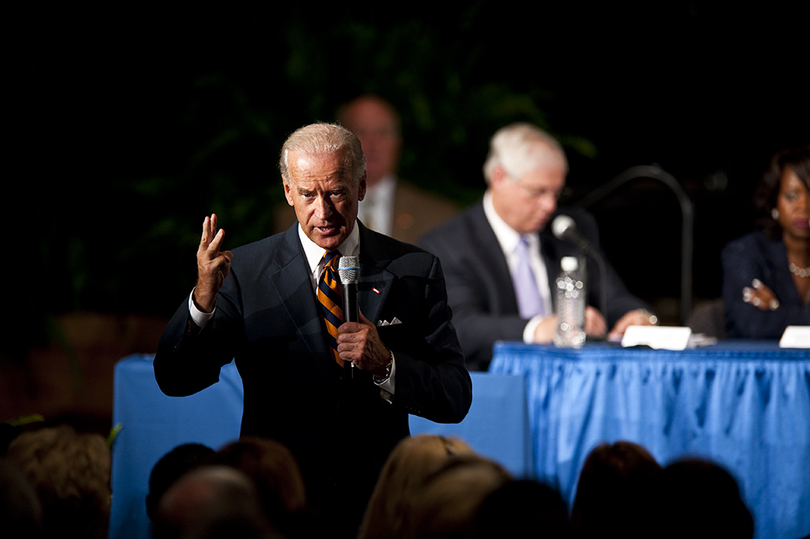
(130, 124)
(177, 117)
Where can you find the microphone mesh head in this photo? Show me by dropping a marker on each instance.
(560, 225)
(348, 269)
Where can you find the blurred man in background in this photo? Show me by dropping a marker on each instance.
(479, 251)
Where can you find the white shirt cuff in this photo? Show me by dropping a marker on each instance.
(388, 385)
(528, 331)
(200, 318)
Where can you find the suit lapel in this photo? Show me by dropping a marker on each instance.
(495, 266)
(290, 278)
(375, 280)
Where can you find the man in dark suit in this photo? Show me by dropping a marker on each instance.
(258, 304)
(525, 173)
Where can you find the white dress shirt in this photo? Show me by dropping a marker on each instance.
(376, 210)
(508, 239)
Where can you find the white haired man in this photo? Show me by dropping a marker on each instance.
(337, 393)
(525, 173)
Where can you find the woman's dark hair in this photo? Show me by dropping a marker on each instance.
(798, 160)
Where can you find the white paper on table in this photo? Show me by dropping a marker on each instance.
(658, 337)
(795, 337)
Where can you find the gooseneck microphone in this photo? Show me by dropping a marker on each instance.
(349, 272)
(564, 228)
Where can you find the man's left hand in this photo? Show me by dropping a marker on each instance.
(360, 343)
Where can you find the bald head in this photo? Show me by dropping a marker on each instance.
(209, 499)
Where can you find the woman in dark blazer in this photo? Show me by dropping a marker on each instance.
(766, 273)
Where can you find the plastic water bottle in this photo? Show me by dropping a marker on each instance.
(571, 300)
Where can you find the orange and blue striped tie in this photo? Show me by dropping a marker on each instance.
(330, 296)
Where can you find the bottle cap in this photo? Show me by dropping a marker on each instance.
(569, 263)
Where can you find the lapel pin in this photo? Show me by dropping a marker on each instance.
(375, 290)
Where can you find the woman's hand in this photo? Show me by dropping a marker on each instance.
(760, 296)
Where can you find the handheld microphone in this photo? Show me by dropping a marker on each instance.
(349, 271)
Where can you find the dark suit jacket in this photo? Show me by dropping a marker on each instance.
(750, 257)
(267, 318)
(479, 285)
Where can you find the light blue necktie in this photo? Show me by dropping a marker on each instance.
(530, 302)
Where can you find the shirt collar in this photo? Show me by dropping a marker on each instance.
(507, 236)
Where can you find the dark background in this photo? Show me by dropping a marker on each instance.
(128, 124)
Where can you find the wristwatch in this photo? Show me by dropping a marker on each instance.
(385, 378)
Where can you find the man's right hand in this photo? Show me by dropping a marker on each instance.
(213, 265)
(545, 330)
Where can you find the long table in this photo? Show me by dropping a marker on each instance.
(152, 424)
(745, 405)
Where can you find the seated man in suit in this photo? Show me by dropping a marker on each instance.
(392, 206)
(336, 393)
(525, 172)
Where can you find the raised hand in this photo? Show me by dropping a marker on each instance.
(213, 265)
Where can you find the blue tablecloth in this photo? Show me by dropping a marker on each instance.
(153, 424)
(743, 405)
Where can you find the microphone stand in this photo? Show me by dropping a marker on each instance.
(600, 261)
(656, 173)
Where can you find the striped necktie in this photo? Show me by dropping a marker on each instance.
(330, 297)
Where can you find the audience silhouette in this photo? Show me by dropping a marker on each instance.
(20, 510)
(401, 480)
(278, 482)
(522, 508)
(447, 505)
(171, 467)
(55, 482)
(698, 498)
(614, 490)
(70, 474)
(212, 502)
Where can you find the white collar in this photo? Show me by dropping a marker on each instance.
(507, 236)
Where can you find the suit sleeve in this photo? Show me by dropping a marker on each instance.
(479, 315)
(743, 261)
(188, 358)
